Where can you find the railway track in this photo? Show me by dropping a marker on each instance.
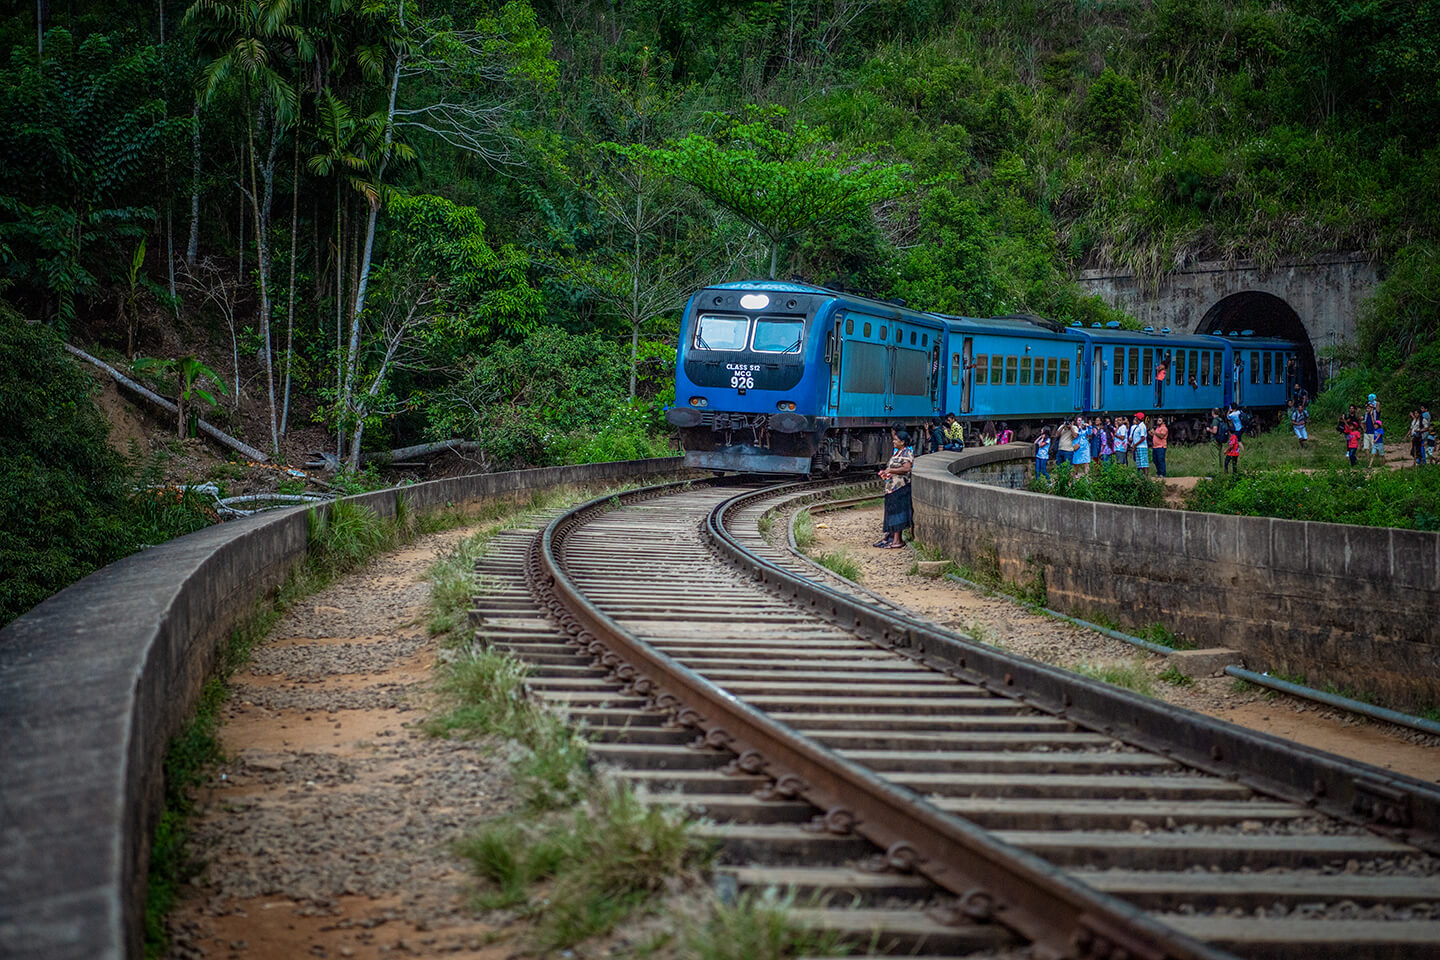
(929, 795)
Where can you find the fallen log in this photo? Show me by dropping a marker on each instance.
(214, 433)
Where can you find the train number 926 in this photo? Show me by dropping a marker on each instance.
(743, 380)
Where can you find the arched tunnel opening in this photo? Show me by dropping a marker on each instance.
(1266, 315)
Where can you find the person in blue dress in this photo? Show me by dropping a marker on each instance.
(1081, 457)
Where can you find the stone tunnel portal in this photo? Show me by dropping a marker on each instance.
(1268, 316)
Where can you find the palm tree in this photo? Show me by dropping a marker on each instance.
(247, 36)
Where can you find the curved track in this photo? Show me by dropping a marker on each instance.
(949, 794)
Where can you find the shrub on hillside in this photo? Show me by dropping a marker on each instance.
(1371, 498)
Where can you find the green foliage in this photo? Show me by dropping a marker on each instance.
(1106, 482)
(780, 178)
(1112, 105)
(1175, 678)
(840, 563)
(82, 133)
(1373, 498)
(585, 871)
(804, 531)
(760, 926)
(1132, 675)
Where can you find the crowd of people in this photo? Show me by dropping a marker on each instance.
(1364, 432)
(1081, 441)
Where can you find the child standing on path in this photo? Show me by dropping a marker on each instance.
(1377, 446)
(1352, 440)
(1233, 449)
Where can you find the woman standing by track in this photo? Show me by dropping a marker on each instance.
(898, 511)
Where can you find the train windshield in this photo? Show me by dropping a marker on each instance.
(778, 334)
(718, 332)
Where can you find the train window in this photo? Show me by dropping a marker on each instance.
(865, 331)
(1010, 365)
(955, 368)
(849, 326)
(1217, 366)
(1266, 362)
(1118, 365)
(912, 373)
(982, 367)
(1147, 373)
(1064, 371)
(1254, 366)
(1205, 369)
(1133, 367)
(924, 339)
(900, 335)
(1050, 372)
(863, 368)
(884, 332)
(718, 332)
(778, 334)
(1194, 362)
(1024, 371)
(1178, 376)
(912, 338)
(997, 369)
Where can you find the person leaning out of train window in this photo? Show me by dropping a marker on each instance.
(896, 474)
(1159, 445)
(1042, 453)
(1065, 442)
(954, 433)
(1194, 384)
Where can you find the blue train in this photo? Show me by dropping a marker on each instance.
(784, 377)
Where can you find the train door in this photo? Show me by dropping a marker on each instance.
(890, 370)
(967, 376)
(1238, 376)
(1097, 378)
(1077, 385)
(837, 349)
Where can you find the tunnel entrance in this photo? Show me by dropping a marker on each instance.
(1268, 316)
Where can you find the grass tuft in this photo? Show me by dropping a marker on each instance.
(804, 531)
(1175, 678)
(1131, 675)
(760, 926)
(840, 562)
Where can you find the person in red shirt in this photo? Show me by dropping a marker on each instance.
(1233, 449)
(1352, 440)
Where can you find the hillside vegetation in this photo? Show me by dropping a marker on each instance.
(379, 222)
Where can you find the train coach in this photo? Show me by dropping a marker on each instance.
(783, 377)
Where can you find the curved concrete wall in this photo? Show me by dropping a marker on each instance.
(96, 680)
(1348, 605)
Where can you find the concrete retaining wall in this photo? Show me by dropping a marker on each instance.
(1348, 605)
(96, 680)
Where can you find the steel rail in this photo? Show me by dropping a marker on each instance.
(992, 880)
(1404, 808)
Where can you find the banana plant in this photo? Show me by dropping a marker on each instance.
(187, 373)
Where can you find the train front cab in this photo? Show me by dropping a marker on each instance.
(751, 376)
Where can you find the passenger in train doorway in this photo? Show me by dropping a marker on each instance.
(1162, 373)
(899, 513)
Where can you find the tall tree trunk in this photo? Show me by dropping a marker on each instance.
(261, 263)
(774, 253)
(635, 298)
(170, 243)
(290, 311)
(160, 4)
(192, 247)
(41, 7)
(241, 267)
(352, 360)
(339, 319)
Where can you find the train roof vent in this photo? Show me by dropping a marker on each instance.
(1247, 333)
(1234, 333)
(1149, 329)
(1164, 329)
(1113, 324)
(1076, 323)
(1096, 324)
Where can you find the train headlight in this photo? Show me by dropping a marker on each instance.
(754, 301)
(785, 405)
(699, 402)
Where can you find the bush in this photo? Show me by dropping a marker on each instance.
(1112, 105)
(1106, 483)
(1372, 498)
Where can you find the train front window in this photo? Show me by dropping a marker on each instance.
(719, 332)
(778, 334)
